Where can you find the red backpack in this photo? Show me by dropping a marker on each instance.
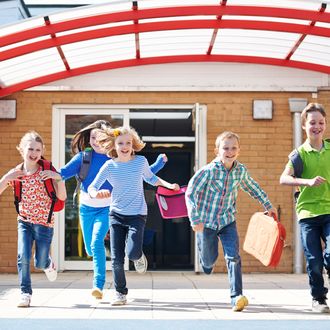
(57, 204)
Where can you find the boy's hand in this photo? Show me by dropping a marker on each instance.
(198, 227)
(318, 180)
(103, 193)
(272, 213)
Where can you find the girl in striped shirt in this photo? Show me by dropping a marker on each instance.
(128, 209)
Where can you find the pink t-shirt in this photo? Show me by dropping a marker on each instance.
(35, 203)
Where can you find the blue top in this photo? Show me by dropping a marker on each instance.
(72, 168)
(127, 178)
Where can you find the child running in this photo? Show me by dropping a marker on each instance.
(34, 210)
(128, 210)
(211, 202)
(313, 203)
(93, 213)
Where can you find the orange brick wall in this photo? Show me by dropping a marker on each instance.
(264, 149)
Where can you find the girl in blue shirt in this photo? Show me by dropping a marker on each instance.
(94, 213)
(126, 173)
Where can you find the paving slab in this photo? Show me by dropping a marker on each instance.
(161, 300)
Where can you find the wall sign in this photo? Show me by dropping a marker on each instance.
(262, 109)
(7, 109)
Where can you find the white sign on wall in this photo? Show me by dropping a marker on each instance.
(7, 109)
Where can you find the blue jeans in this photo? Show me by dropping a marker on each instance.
(312, 231)
(27, 233)
(94, 223)
(126, 231)
(207, 242)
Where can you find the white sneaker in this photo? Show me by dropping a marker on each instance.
(141, 264)
(120, 299)
(97, 293)
(25, 300)
(320, 306)
(51, 271)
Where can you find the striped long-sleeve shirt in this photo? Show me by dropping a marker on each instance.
(126, 178)
(212, 192)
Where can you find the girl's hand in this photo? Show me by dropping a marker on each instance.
(198, 228)
(103, 193)
(14, 174)
(175, 186)
(165, 159)
(318, 180)
(48, 174)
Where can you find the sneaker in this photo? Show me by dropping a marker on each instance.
(207, 271)
(25, 300)
(51, 271)
(239, 303)
(120, 299)
(141, 264)
(97, 293)
(320, 305)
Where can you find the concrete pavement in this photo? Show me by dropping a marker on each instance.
(161, 300)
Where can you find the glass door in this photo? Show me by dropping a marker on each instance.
(70, 249)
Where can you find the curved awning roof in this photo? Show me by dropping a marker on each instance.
(121, 34)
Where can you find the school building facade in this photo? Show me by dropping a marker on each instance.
(178, 107)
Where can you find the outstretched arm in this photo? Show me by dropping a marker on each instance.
(159, 163)
(13, 174)
(287, 178)
(94, 190)
(172, 186)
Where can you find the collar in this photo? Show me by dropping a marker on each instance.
(309, 148)
(219, 163)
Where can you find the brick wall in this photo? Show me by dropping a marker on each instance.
(264, 149)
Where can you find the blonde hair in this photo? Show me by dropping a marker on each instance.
(312, 107)
(28, 137)
(224, 136)
(106, 138)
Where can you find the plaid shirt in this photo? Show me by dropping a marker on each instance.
(212, 192)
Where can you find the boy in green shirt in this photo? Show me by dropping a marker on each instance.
(313, 203)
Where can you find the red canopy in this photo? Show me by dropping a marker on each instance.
(122, 34)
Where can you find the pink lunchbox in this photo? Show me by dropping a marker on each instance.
(172, 203)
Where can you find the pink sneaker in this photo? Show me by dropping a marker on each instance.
(51, 271)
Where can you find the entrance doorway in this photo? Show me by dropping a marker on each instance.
(168, 243)
(175, 131)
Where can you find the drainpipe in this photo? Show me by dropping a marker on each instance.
(297, 105)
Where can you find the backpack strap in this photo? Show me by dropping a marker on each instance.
(297, 163)
(49, 186)
(17, 194)
(17, 185)
(84, 169)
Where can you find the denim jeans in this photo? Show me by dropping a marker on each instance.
(27, 233)
(126, 231)
(312, 231)
(94, 223)
(207, 242)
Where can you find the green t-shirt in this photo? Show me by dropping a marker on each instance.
(314, 201)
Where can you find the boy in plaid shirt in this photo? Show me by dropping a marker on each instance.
(211, 201)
